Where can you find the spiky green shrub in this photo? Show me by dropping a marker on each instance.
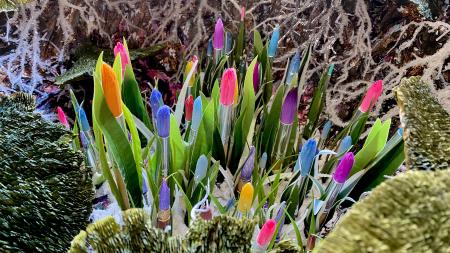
(409, 213)
(221, 234)
(45, 190)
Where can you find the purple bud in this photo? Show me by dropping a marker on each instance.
(164, 196)
(344, 167)
(163, 121)
(289, 109)
(247, 169)
(256, 77)
(280, 218)
(218, 35)
(84, 140)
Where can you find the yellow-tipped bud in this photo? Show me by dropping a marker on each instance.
(246, 198)
(111, 90)
(188, 68)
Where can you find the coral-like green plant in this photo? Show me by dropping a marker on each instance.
(221, 234)
(426, 126)
(45, 189)
(409, 213)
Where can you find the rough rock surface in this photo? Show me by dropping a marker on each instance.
(45, 190)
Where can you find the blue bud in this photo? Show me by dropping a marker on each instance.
(326, 130)
(330, 69)
(84, 140)
(197, 114)
(200, 168)
(155, 101)
(209, 50)
(228, 43)
(273, 44)
(400, 131)
(163, 121)
(294, 67)
(346, 143)
(306, 157)
(83, 120)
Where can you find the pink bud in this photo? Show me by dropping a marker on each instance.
(227, 86)
(242, 13)
(266, 233)
(120, 49)
(62, 118)
(372, 95)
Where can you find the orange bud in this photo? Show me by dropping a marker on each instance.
(246, 198)
(111, 90)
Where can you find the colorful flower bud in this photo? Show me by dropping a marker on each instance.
(124, 58)
(209, 50)
(228, 87)
(294, 67)
(62, 118)
(83, 120)
(330, 69)
(188, 107)
(256, 77)
(273, 44)
(155, 101)
(344, 167)
(164, 196)
(200, 168)
(326, 130)
(246, 198)
(247, 169)
(372, 95)
(188, 68)
(306, 157)
(266, 233)
(263, 161)
(345, 144)
(163, 121)
(197, 114)
(242, 13)
(111, 90)
(218, 35)
(289, 108)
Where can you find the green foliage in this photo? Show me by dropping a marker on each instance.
(45, 189)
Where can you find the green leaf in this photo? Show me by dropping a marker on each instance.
(117, 67)
(385, 164)
(117, 140)
(303, 68)
(257, 42)
(136, 142)
(240, 42)
(242, 126)
(132, 98)
(316, 106)
(271, 123)
(177, 147)
(375, 142)
(203, 141)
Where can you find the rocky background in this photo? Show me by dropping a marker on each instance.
(366, 39)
